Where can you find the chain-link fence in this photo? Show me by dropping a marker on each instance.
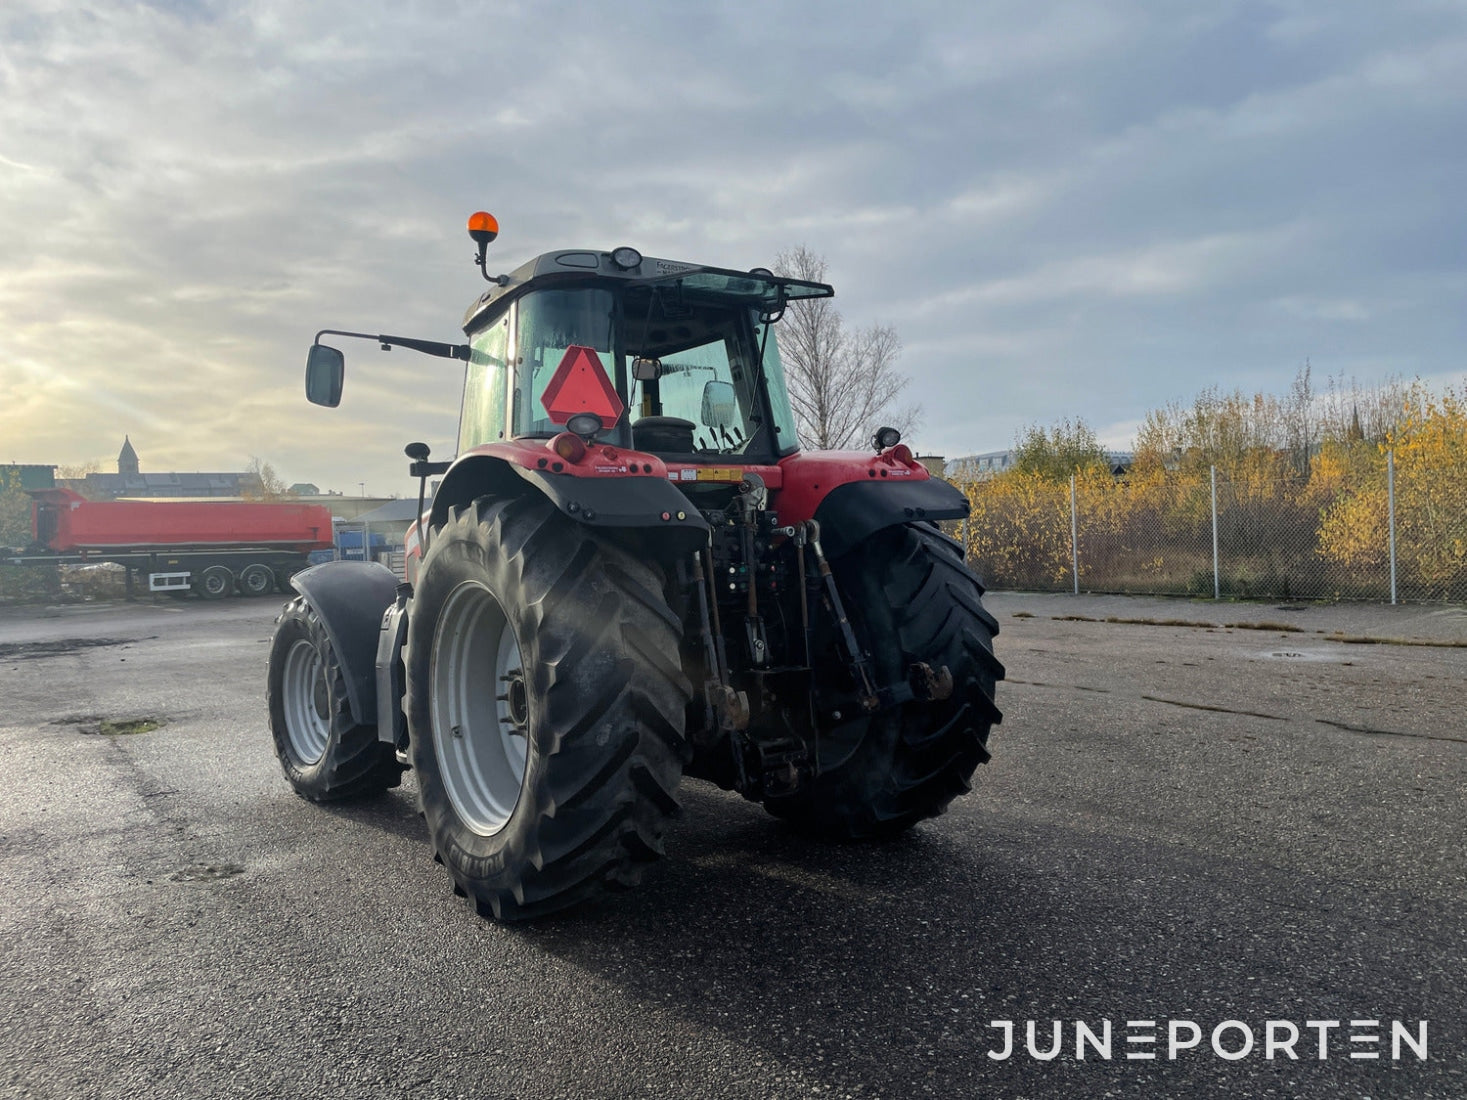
(1372, 536)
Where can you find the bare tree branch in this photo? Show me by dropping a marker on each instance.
(261, 482)
(841, 383)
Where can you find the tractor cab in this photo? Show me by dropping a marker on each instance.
(673, 359)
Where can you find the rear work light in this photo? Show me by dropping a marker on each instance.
(585, 425)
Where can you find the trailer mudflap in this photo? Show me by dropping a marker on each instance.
(350, 597)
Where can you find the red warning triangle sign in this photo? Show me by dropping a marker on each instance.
(581, 385)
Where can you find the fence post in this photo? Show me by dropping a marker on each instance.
(1216, 573)
(1074, 537)
(1391, 508)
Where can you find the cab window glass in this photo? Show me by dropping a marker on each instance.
(482, 419)
(551, 321)
(710, 386)
(697, 392)
(786, 437)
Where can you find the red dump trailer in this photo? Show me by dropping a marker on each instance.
(213, 547)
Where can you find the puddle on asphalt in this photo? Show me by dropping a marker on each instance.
(206, 872)
(1300, 655)
(23, 651)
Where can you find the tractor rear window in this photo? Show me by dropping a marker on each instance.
(709, 386)
(550, 321)
(705, 396)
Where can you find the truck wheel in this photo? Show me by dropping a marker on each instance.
(283, 574)
(325, 755)
(545, 700)
(912, 600)
(256, 580)
(215, 583)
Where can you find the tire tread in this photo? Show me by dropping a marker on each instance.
(913, 762)
(601, 653)
(356, 764)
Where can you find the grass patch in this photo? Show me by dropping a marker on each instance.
(1283, 628)
(1023, 615)
(95, 725)
(1196, 623)
(1362, 639)
(127, 726)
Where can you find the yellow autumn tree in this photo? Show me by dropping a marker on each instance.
(1301, 499)
(15, 516)
(1354, 520)
(1019, 530)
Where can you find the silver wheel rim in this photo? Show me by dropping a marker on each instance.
(307, 703)
(480, 709)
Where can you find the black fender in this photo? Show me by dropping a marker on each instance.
(651, 510)
(350, 598)
(852, 512)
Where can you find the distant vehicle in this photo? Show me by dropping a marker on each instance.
(214, 548)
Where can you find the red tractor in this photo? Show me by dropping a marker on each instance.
(631, 573)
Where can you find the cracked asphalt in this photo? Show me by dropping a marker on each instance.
(1181, 822)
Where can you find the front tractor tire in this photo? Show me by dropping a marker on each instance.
(325, 754)
(545, 702)
(911, 599)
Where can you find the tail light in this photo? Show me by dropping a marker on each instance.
(569, 446)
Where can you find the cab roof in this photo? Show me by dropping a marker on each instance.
(761, 288)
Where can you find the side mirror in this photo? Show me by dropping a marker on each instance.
(720, 405)
(325, 371)
(646, 370)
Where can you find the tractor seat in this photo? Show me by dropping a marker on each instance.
(663, 434)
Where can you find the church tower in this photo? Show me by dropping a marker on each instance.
(127, 458)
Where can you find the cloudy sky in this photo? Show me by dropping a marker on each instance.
(1064, 209)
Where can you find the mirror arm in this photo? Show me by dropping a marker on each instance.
(427, 347)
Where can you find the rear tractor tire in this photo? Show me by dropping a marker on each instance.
(325, 754)
(911, 599)
(545, 700)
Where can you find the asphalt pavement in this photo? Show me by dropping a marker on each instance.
(1194, 813)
